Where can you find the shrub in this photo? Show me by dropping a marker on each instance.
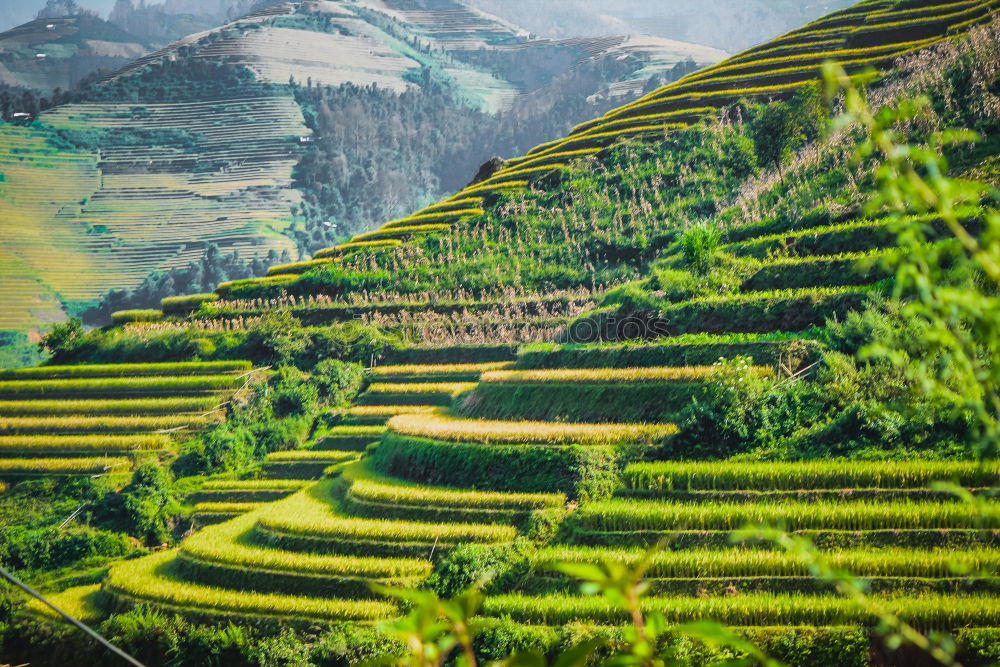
(293, 395)
(491, 568)
(145, 507)
(741, 410)
(337, 382)
(274, 338)
(698, 245)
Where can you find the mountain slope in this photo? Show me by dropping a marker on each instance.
(871, 34)
(228, 136)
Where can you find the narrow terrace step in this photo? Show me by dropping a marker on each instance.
(684, 350)
(245, 491)
(366, 493)
(206, 513)
(303, 464)
(592, 395)
(427, 373)
(380, 414)
(226, 556)
(414, 393)
(701, 572)
(158, 581)
(17, 468)
(312, 521)
(348, 438)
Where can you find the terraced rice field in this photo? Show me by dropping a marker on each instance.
(78, 224)
(75, 420)
(448, 470)
(304, 550)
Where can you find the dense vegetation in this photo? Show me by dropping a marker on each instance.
(765, 394)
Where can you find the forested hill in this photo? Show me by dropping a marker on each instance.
(282, 132)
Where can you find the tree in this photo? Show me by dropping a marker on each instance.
(772, 134)
(780, 128)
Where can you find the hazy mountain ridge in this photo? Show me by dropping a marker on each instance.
(59, 52)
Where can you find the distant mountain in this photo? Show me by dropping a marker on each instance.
(726, 24)
(57, 52)
(170, 20)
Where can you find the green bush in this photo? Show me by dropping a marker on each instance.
(740, 411)
(698, 245)
(338, 382)
(491, 568)
(145, 507)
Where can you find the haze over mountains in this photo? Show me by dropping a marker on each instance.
(726, 24)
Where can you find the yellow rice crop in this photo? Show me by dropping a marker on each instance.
(695, 563)
(54, 466)
(125, 407)
(933, 611)
(393, 232)
(307, 455)
(371, 487)
(297, 267)
(225, 508)
(81, 602)
(307, 513)
(253, 485)
(390, 410)
(228, 543)
(439, 369)
(444, 427)
(12, 444)
(74, 424)
(449, 388)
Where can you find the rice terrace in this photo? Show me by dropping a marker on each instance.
(343, 332)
